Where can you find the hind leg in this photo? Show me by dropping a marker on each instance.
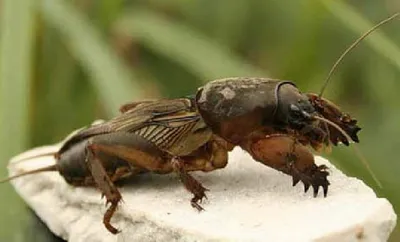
(107, 187)
(103, 151)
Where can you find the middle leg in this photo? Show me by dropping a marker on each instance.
(213, 155)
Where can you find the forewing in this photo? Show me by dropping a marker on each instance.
(131, 105)
(165, 131)
(145, 118)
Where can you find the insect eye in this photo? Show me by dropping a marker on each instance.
(300, 112)
(294, 108)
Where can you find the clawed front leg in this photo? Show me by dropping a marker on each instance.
(292, 158)
(315, 176)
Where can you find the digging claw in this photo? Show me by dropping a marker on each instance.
(306, 186)
(295, 180)
(325, 190)
(315, 176)
(315, 189)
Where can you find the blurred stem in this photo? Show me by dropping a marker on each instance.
(194, 51)
(17, 25)
(109, 76)
(108, 12)
(16, 48)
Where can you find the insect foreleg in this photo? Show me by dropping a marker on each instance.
(292, 158)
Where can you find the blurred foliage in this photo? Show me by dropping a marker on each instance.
(65, 63)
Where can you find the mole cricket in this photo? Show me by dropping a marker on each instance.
(277, 122)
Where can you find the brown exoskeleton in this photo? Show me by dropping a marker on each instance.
(160, 136)
(195, 134)
(249, 112)
(165, 136)
(270, 119)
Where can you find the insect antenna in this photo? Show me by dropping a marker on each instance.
(34, 157)
(43, 169)
(351, 47)
(356, 150)
(47, 168)
(326, 82)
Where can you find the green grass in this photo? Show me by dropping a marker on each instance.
(16, 43)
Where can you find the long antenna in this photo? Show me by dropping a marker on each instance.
(352, 47)
(46, 168)
(33, 157)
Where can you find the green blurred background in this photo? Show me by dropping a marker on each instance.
(64, 63)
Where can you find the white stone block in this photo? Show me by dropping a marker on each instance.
(247, 201)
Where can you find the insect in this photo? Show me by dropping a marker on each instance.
(277, 122)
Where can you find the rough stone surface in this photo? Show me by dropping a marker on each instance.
(246, 202)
